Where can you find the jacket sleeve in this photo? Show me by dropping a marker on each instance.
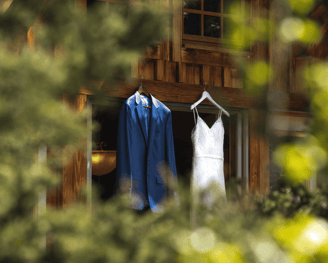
(170, 158)
(123, 154)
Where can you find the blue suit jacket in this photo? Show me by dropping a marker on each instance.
(143, 157)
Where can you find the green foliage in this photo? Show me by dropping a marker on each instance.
(285, 227)
(288, 199)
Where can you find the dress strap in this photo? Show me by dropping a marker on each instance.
(193, 110)
(220, 114)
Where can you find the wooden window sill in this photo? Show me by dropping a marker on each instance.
(214, 47)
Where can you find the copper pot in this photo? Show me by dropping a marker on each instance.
(103, 162)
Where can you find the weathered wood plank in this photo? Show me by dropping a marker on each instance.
(217, 76)
(212, 58)
(153, 52)
(190, 73)
(182, 72)
(177, 30)
(165, 50)
(197, 74)
(197, 56)
(160, 69)
(214, 47)
(227, 82)
(147, 69)
(55, 197)
(236, 81)
(170, 71)
(205, 74)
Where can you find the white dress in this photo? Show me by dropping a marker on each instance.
(208, 162)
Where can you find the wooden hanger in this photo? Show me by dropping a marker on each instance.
(206, 95)
(143, 90)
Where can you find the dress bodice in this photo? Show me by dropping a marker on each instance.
(208, 142)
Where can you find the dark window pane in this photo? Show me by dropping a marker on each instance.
(192, 24)
(212, 26)
(192, 4)
(212, 5)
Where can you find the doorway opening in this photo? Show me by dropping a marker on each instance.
(235, 142)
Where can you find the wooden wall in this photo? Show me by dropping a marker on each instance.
(176, 71)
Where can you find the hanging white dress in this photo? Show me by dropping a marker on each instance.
(208, 162)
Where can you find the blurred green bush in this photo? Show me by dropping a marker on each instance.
(289, 225)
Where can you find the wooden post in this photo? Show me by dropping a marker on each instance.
(75, 171)
(259, 176)
(259, 160)
(254, 155)
(177, 30)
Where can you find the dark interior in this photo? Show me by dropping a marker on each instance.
(182, 124)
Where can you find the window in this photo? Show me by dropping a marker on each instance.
(205, 20)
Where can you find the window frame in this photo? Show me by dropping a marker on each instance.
(187, 38)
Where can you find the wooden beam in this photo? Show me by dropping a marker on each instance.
(212, 58)
(216, 47)
(189, 93)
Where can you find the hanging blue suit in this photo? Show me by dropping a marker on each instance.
(144, 146)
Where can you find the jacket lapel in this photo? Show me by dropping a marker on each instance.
(142, 120)
(153, 120)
